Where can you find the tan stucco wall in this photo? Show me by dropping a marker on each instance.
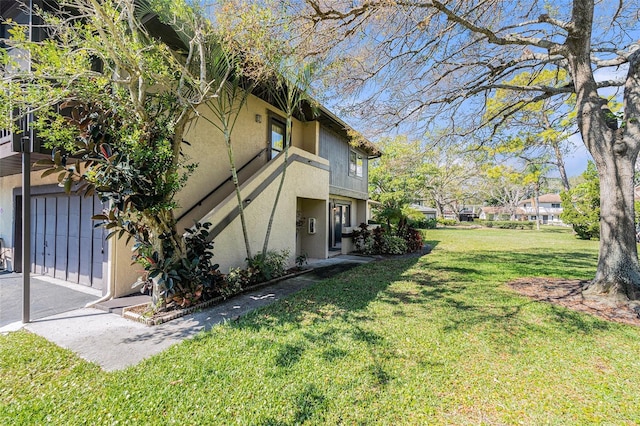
(122, 272)
(7, 186)
(311, 137)
(315, 246)
(209, 151)
(302, 181)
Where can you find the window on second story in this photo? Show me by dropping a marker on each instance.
(356, 164)
(555, 205)
(277, 136)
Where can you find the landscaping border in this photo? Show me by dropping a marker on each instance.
(164, 317)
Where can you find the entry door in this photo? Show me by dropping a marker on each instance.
(337, 226)
(341, 217)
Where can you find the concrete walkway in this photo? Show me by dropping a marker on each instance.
(115, 343)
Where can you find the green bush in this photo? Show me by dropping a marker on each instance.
(265, 267)
(446, 222)
(509, 224)
(184, 281)
(581, 205)
(382, 241)
(392, 244)
(423, 224)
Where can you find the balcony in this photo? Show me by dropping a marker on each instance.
(11, 161)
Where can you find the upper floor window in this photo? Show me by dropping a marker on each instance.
(277, 136)
(555, 205)
(356, 164)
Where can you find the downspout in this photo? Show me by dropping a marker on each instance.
(111, 285)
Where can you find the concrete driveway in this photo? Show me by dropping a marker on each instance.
(48, 297)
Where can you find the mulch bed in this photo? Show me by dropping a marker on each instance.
(568, 293)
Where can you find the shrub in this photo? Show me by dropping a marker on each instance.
(414, 241)
(267, 266)
(581, 205)
(381, 241)
(362, 239)
(446, 222)
(182, 281)
(510, 224)
(423, 224)
(392, 244)
(235, 281)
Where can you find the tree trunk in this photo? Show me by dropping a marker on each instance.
(614, 151)
(557, 151)
(439, 208)
(618, 274)
(561, 167)
(236, 186)
(537, 201)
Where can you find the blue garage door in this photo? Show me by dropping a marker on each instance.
(64, 242)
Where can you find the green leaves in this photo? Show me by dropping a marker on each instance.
(581, 205)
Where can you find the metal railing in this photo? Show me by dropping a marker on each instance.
(217, 188)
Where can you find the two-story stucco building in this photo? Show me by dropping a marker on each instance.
(325, 190)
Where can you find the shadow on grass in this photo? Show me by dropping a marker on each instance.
(308, 402)
(344, 294)
(329, 317)
(538, 262)
(461, 295)
(469, 290)
(555, 230)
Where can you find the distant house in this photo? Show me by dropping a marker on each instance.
(498, 213)
(428, 212)
(549, 209)
(468, 214)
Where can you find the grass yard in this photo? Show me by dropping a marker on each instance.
(435, 340)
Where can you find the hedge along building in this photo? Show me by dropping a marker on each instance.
(325, 190)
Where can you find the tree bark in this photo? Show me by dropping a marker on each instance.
(618, 273)
(537, 201)
(615, 152)
(561, 167)
(236, 186)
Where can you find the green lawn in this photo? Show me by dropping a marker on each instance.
(436, 340)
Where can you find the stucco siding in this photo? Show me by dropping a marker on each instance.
(302, 181)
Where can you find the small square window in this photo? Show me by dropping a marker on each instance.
(356, 164)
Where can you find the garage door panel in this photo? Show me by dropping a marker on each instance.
(50, 236)
(62, 230)
(73, 247)
(86, 242)
(37, 235)
(34, 233)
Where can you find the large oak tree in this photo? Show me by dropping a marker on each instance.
(424, 62)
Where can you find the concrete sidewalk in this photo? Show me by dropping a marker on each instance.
(115, 343)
